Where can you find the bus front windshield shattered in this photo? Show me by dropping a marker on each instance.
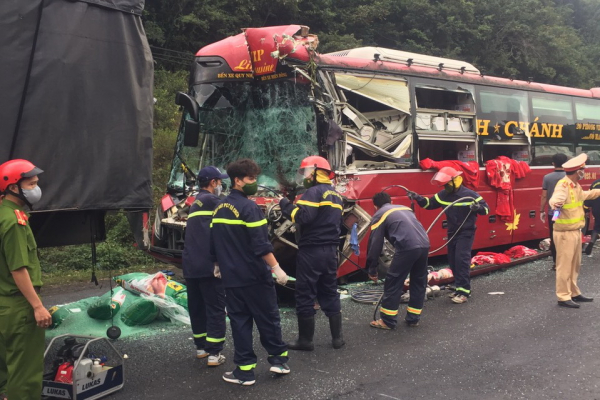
(274, 124)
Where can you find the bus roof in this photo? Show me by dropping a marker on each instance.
(370, 59)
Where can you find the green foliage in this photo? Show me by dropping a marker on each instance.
(109, 256)
(551, 41)
(167, 117)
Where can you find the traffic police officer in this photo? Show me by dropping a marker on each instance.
(568, 198)
(206, 297)
(319, 214)
(400, 227)
(23, 317)
(461, 225)
(239, 239)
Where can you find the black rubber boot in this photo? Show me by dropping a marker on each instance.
(335, 324)
(590, 246)
(306, 332)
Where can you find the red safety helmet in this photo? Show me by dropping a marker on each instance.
(444, 176)
(317, 162)
(11, 172)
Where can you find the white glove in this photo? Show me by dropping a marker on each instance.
(281, 276)
(217, 271)
(543, 216)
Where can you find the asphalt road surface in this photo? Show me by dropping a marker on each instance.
(516, 345)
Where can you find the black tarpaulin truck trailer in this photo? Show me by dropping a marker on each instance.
(76, 81)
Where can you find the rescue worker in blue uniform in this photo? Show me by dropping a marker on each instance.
(23, 317)
(401, 228)
(595, 206)
(461, 225)
(240, 242)
(206, 297)
(319, 214)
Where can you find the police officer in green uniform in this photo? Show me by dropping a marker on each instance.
(23, 317)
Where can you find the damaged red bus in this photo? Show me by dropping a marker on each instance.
(380, 117)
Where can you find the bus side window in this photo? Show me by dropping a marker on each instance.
(552, 109)
(542, 153)
(587, 128)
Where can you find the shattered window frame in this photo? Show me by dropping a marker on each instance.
(382, 136)
(458, 138)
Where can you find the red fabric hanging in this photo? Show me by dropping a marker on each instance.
(501, 173)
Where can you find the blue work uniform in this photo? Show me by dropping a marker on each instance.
(206, 296)
(21, 340)
(595, 206)
(400, 227)
(239, 240)
(319, 214)
(459, 248)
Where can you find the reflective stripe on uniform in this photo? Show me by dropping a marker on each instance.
(247, 367)
(238, 222)
(427, 202)
(573, 205)
(199, 335)
(459, 289)
(214, 340)
(293, 214)
(385, 215)
(414, 310)
(321, 204)
(388, 312)
(437, 198)
(284, 354)
(447, 203)
(198, 213)
(569, 221)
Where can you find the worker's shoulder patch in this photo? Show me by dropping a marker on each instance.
(21, 217)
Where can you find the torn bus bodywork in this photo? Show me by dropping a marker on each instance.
(257, 103)
(267, 94)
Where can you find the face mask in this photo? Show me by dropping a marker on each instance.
(250, 189)
(219, 190)
(449, 188)
(32, 195)
(308, 183)
(581, 174)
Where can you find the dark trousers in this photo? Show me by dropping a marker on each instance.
(459, 258)
(206, 304)
(254, 304)
(404, 262)
(596, 214)
(316, 279)
(551, 229)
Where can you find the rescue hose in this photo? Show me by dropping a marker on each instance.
(275, 192)
(461, 225)
(412, 202)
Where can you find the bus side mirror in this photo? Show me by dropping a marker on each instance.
(191, 126)
(191, 134)
(189, 104)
